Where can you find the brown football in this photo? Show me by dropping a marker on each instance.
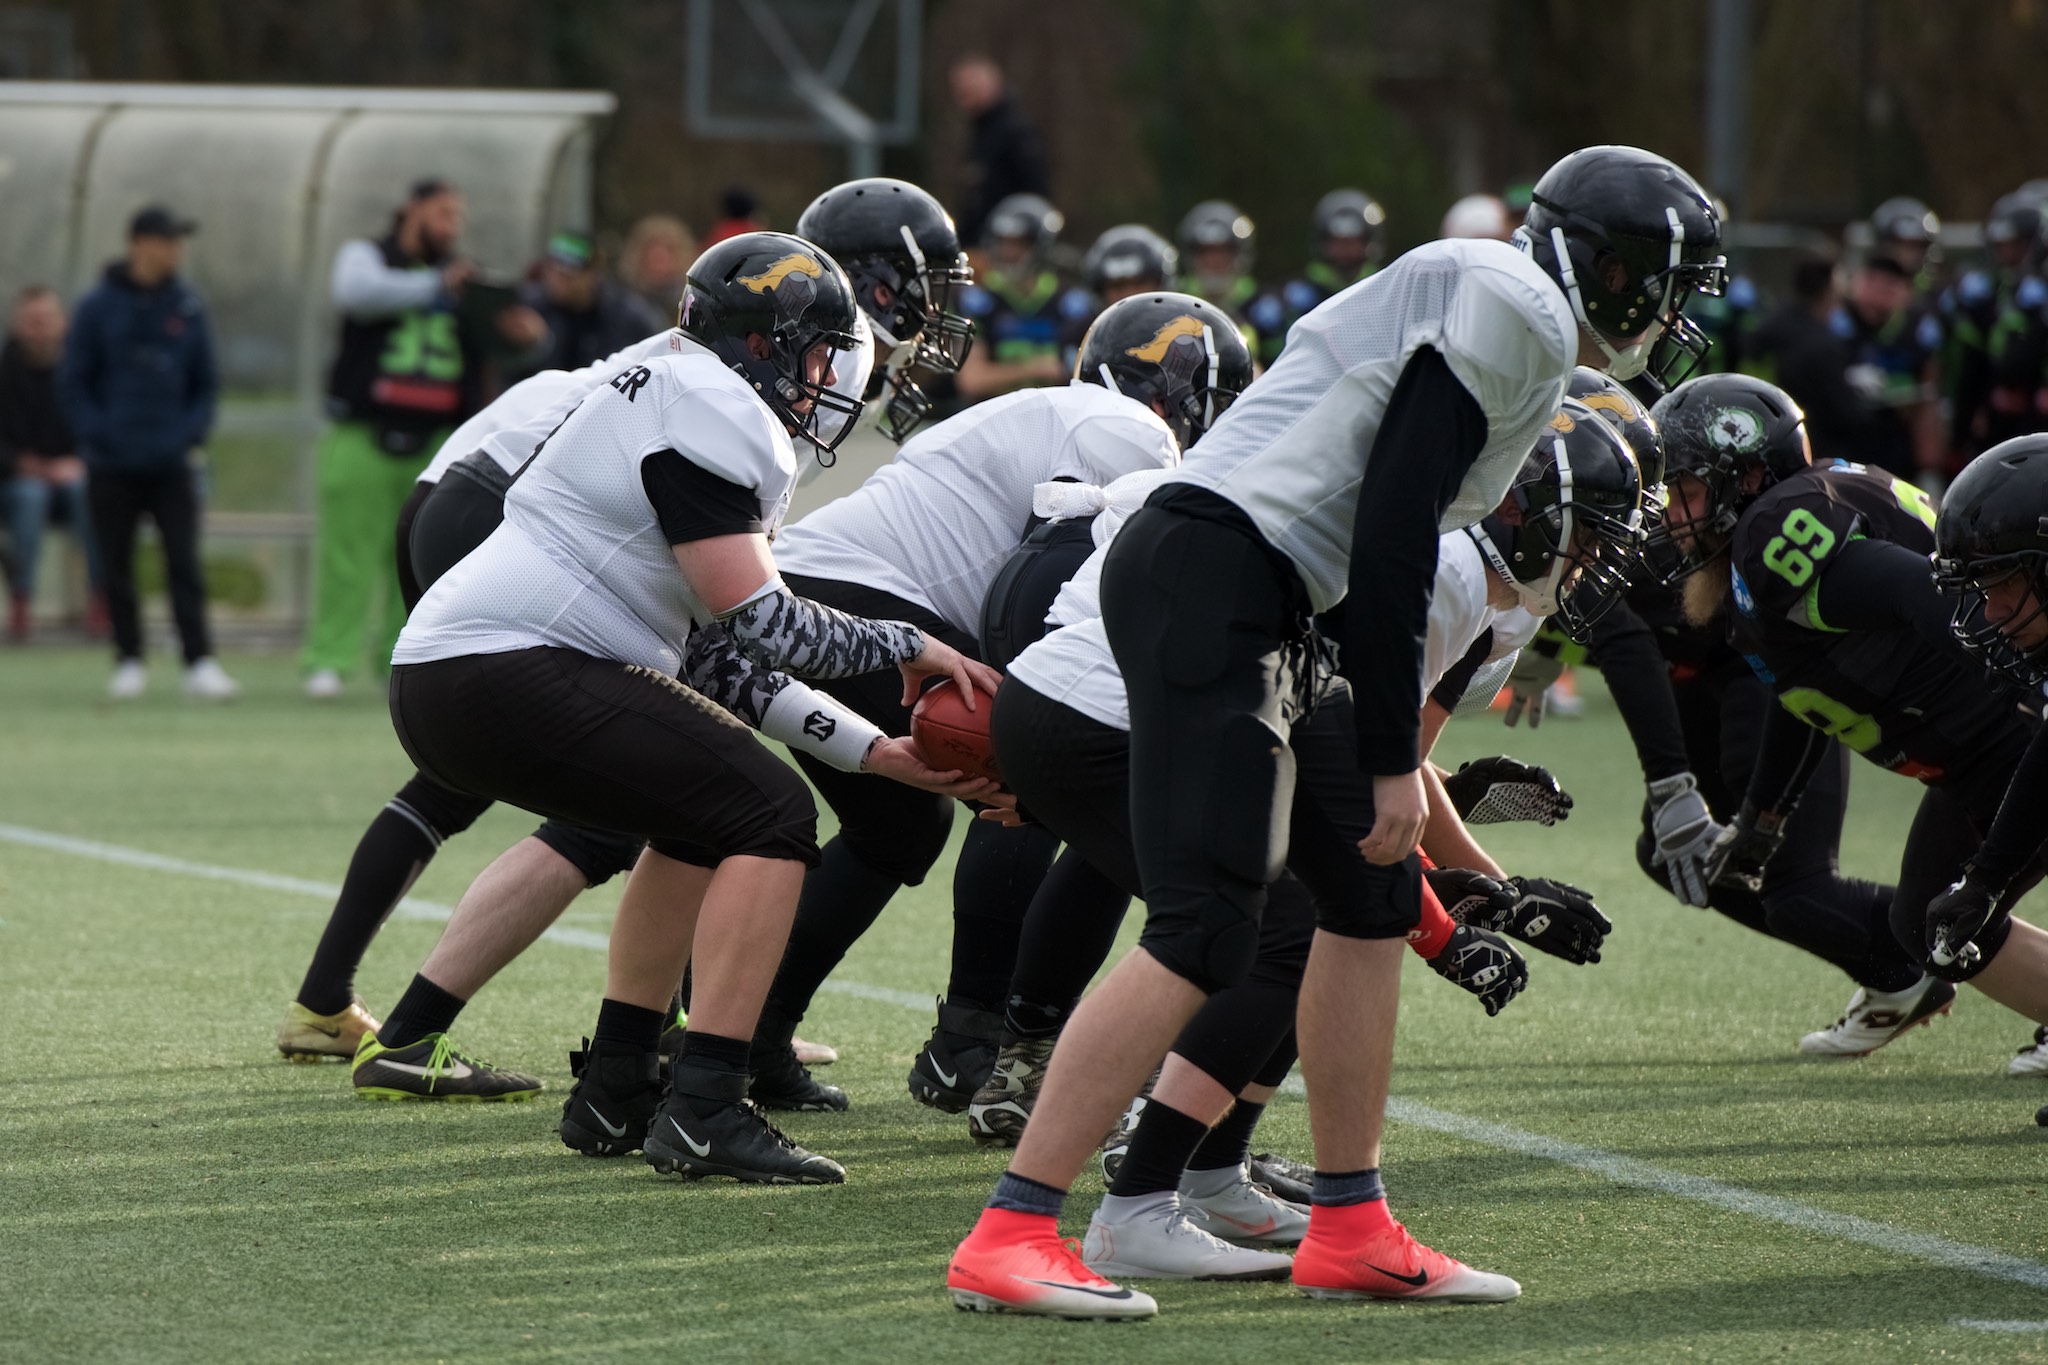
(951, 736)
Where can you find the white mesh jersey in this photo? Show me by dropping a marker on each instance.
(1292, 450)
(581, 559)
(521, 417)
(935, 525)
(1073, 664)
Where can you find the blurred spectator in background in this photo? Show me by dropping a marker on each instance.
(1346, 243)
(41, 476)
(588, 314)
(1478, 216)
(1217, 247)
(1891, 351)
(1014, 302)
(1910, 233)
(1125, 260)
(139, 386)
(1797, 348)
(656, 261)
(737, 210)
(1998, 329)
(1005, 154)
(407, 372)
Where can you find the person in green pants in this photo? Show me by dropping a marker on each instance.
(406, 374)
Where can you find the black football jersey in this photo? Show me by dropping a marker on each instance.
(1902, 702)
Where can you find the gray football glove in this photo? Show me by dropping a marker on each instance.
(1685, 833)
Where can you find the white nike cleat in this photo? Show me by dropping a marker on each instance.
(304, 1036)
(129, 680)
(1874, 1018)
(2033, 1058)
(206, 680)
(1160, 1242)
(323, 684)
(1228, 1205)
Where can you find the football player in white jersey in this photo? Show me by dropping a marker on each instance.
(900, 250)
(544, 670)
(921, 541)
(1573, 515)
(1401, 408)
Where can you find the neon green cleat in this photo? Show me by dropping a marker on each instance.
(433, 1069)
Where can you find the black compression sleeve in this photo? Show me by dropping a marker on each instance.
(2022, 824)
(1428, 437)
(1637, 676)
(1787, 756)
(1450, 688)
(1876, 585)
(692, 503)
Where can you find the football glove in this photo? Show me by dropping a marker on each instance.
(1954, 920)
(1740, 851)
(1685, 833)
(1529, 684)
(1495, 791)
(1557, 917)
(1483, 963)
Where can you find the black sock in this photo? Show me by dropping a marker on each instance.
(387, 859)
(424, 1008)
(710, 1073)
(628, 1027)
(1230, 1142)
(1026, 1019)
(1160, 1148)
(842, 896)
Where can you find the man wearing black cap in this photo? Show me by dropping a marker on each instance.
(407, 373)
(589, 315)
(139, 386)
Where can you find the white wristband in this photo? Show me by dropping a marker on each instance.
(812, 723)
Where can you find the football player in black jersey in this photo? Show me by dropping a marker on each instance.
(1694, 706)
(1835, 608)
(1991, 557)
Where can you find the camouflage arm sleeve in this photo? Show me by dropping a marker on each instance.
(776, 704)
(783, 631)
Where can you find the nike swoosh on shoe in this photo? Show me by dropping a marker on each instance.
(606, 1123)
(1114, 1295)
(1419, 1279)
(949, 1078)
(459, 1071)
(700, 1148)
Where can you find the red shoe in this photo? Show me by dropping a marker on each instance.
(1016, 1263)
(1359, 1252)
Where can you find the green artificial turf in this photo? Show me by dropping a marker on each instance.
(170, 1190)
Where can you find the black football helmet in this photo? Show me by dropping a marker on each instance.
(2013, 230)
(1349, 213)
(1180, 351)
(1027, 216)
(1609, 397)
(890, 235)
(1994, 527)
(1126, 254)
(795, 298)
(1736, 436)
(1581, 532)
(1905, 219)
(1217, 222)
(1630, 238)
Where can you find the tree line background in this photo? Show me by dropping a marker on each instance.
(1150, 105)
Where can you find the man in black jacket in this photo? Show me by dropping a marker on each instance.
(1005, 155)
(41, 475)
(139, 386)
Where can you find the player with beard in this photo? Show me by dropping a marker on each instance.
(1834, 606)
(1696, 713)
(1402, 408)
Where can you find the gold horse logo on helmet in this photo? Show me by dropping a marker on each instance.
(793, 264)
(1186, 325)
(1563, 423)
(1621, 407)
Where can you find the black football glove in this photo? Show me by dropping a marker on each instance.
(1494, 791)
(1738, 856)
(1483, 963)
(1557, 917)
(1955, 919)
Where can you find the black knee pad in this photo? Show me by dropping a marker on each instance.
(447, 811)
(598, 854)
(1213, 945)
(902, 836)
(1386, 902)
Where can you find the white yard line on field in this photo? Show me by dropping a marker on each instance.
(1621, 1170)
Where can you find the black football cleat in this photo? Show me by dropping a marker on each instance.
(958, 1059)
(616, 1093)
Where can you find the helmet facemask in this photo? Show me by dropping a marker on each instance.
(1610, 295)
(916, 329)
(1996, 645)
(783, 377)
(1577, 546)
